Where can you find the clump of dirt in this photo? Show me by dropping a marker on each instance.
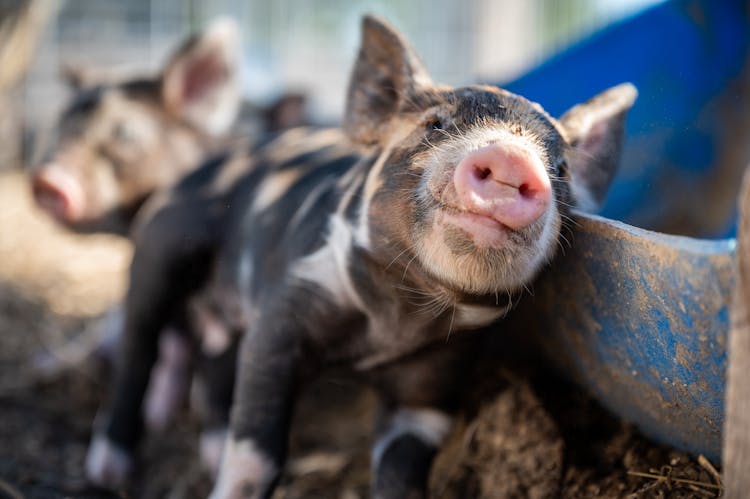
(511, 449)
(541, 437)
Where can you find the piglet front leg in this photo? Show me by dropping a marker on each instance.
(211, 399)
(267, 377)
(420, 396)
(148, 307)
(164, 272)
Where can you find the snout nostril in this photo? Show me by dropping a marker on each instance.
(525, 191)
(38, 187)
(482, 172)
(42, 188)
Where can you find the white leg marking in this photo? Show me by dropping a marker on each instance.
(245, 472)
(215, 336)
(211, 449)
(169, 381)
(429, 425)
(106, 464)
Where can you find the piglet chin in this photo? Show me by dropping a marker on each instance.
(485, 231)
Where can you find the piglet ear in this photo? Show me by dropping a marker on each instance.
(387, 72)
(594, 131)
(200, 83)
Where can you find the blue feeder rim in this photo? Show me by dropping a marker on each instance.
(640, 318)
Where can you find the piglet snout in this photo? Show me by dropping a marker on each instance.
(58, 193)
(505, 182)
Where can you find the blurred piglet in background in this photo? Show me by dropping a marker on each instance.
(122, 141)
(119, 143)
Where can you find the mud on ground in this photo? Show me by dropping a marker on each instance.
(534, 436)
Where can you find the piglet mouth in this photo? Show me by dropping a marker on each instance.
(482, 228)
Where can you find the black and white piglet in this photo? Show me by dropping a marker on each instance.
(456, 201)
(390, 260)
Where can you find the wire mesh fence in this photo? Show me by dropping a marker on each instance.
(303, 45)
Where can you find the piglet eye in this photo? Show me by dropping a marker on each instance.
(434, 124)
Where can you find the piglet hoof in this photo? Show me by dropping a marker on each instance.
(107, 465)
(211, 449)
(246, 472)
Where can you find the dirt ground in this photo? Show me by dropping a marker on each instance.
(533, 435)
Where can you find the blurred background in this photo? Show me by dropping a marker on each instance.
(307, 46)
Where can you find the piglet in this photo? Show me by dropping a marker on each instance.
(458, 199)
(391, 256)
(123, 142)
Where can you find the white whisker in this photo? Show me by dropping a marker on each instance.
(396, 258)
(450, 326)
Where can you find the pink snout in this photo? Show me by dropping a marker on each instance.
(58, 193)
(507, 183)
